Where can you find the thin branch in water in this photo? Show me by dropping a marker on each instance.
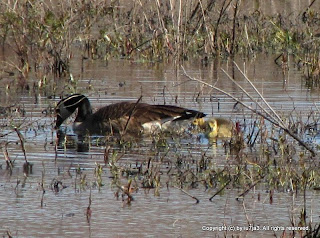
(131, 113)
(185, 192)
(230, 96)
(89, 211)
(126, 190)
(220, 190)
(277, 123)
(247, 190)
(7, 157)
(257, 91)
(22, 143)
(248, 95)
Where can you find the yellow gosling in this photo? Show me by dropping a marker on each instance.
(215, 127)
(220, 127)
(200, 123)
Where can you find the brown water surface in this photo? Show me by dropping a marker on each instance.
(154, 213)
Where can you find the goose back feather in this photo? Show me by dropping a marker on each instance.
(118, 117)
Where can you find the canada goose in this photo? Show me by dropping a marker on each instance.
(119, 117)
(215, 127)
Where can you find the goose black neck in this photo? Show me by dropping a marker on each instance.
(84, 109)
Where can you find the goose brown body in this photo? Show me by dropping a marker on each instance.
(118, 117)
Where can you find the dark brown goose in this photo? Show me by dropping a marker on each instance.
(119, 117)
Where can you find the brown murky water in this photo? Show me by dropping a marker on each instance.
(28, 212)
(38, 205)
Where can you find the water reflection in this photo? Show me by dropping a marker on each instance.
(67, 172)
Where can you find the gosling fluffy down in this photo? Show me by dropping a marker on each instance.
(215, 127)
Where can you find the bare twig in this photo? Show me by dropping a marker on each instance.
(22, 143)
(274, 120)
(131, 113)
(127, 191)
(263, 99)
(220, 190)
(185, 192)
(254, 100)
(248, 189)
(224, 7)
(6, 156)
(89, 211)
(231, 96)
(24, 126)
(308, 8)
(234, 27)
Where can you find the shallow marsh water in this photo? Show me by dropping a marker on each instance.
(155, 213)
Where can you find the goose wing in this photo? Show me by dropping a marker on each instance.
(143, 113)
(149, 113)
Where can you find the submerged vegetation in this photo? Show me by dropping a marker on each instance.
(39, 40)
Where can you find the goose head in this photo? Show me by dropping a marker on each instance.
(67, 106)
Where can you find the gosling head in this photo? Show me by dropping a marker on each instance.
(213, 128)
(220, 127)
(200, 122)
(213, 124)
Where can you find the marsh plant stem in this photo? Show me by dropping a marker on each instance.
(275, 120)
(185, 192)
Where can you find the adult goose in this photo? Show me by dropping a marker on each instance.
(133, 117)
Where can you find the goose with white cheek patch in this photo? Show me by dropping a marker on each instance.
(132, 117)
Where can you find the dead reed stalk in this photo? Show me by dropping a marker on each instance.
(272, 117)
(7, 157)
(185, 192)
(21, 143)
(89, 211)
